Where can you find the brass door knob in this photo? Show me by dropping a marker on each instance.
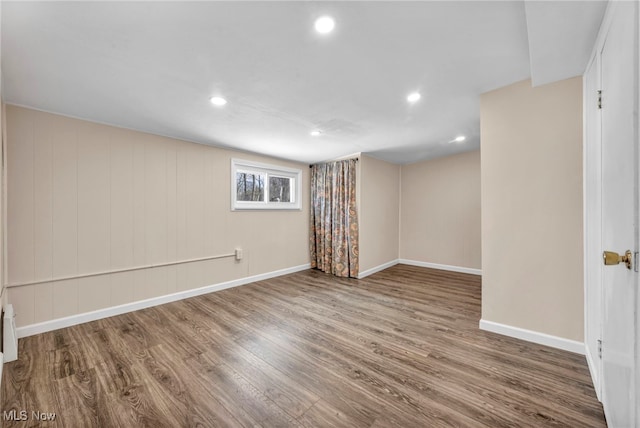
(611, 258)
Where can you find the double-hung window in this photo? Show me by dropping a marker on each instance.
(258, 186)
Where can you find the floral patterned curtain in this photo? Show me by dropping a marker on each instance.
(334, 218)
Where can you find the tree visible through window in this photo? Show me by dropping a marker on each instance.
(279, 189)
(260, 186)
(249, 186)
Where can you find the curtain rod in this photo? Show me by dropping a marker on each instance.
(311, 166)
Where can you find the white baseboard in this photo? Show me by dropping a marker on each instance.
(30, 330)
(533, 336)
(373, 270)
(441, 267)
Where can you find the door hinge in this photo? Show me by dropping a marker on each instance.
(600, 348)
(635, 261)
(600, 99)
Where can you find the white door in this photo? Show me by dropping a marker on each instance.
(619, 77)
(593, 224)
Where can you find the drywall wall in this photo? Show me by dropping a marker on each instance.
(440, 211)
(378, 213)
(532, 267)
(85, 197)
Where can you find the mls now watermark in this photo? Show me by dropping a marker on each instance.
(23, 415)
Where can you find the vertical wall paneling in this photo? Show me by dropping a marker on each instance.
(195, 214)
(93, 200)
(172, 219)
(43, 202)
(121, 208)
(181, 216)
(65, 202)
(155, 206)
(43, 220)
(155, 224)
(65, 298)
(23, 299)
(121, 288)
(65, 217)
(86, 198)
(140, 291)
(121, 201)
(43, 302)
(210, 238)
(208, 183)
(21, 209)
(94, 293)
(93, 217)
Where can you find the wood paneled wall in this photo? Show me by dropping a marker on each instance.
(86, 197)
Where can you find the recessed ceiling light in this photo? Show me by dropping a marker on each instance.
(218, 101)
(413, 97)
(325, 24)
(458, 139)
(315, 133)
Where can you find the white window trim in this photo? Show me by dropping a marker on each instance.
(280, 171)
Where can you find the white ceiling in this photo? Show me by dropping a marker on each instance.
(573, 23)
(152, 66)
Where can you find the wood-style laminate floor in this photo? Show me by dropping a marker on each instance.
(401, 348)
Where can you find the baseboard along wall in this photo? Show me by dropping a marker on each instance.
(506, 330)
(32, 329)
(438, 266)
(451, 268)
(533, 336)
(376, 269)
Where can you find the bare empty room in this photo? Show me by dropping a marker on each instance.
(320, 214)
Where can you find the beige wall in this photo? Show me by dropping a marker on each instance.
(440, 211)
(532, 207)
(379, 198)
(84, 197)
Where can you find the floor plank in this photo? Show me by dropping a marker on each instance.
(399, 348)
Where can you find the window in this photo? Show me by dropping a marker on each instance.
(256, 186)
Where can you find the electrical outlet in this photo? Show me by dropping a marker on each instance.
(238, 253)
